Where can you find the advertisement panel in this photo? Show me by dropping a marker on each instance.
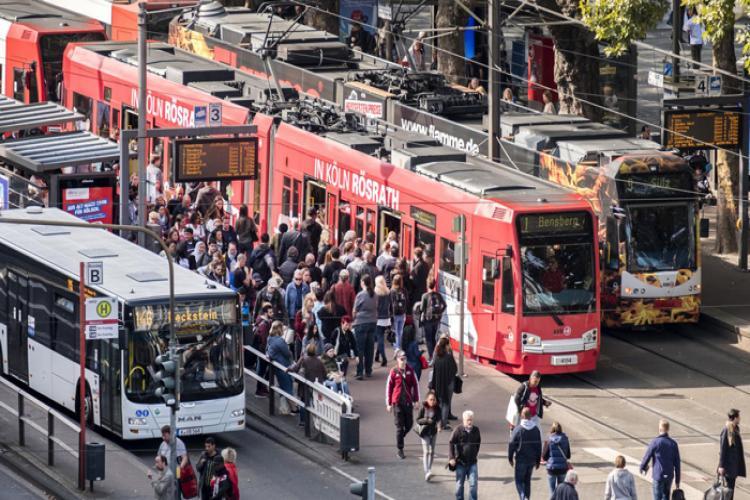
(451, 134)
(364, 11)
(92, 204)
(4, 188)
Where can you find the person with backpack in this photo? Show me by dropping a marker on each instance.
(433, 306)
(401, 393)
(398, 304)
(262, 259)
(525, 452)
(731, 452)
(556, 452)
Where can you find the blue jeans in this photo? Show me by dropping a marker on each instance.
(462, 472)
(398, 328)
(523, 480)
(342, 386)
(365, 336)
(380, 340)
(554, 479)
(661, 488)
(430, 336)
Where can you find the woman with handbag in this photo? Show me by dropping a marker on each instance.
(429, 423)
(556, 453)
(731, 452)
(444, 371)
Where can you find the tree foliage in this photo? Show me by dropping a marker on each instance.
(616, 23)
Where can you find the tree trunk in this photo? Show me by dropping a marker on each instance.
(576, 64)
(450, 56)
(323, 20)
(727, 165)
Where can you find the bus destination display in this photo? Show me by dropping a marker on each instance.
(564, 223)
(701, 129)
(215, 159)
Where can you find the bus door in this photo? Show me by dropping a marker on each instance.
(345, 219)
(329, 223)
(110, 384)
(18, 302)
(389, 221)
(485, 299)
(315, 196)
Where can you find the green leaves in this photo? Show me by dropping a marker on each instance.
(616, 23)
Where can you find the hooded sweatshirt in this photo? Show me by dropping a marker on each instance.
(620, 486)
(525, 444)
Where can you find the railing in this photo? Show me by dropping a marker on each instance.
(49, 432)
(323, 408)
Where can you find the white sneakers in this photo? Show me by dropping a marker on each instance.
(427, 476)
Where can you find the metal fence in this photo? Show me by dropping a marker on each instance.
(21, 412)
(323, 408)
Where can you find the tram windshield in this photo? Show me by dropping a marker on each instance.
(660, 237)
(557, 259)
(210, 344)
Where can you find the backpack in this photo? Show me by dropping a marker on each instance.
(434, 306)
(399, 303)
(260, 266)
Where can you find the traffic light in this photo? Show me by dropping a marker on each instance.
(165, 378)
(359, 488)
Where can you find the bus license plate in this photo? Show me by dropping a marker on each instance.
(571, 359)
(189, 431)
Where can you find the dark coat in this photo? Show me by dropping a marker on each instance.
(732, 458)
(311, 367)
(525, 445)
(464, 446)
(522, 396)
(565, 491)
(444, 372)
(430, 423)
(297, 239)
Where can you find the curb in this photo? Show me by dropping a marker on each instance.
(726, 323)
(32, 471)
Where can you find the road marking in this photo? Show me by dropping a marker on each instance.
(608, 455)
(352, 478)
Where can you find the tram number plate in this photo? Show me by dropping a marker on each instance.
(190, 431)
(571, 359)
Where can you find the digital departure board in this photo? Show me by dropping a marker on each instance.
(562, 223)
(698, 129)
(215, 159)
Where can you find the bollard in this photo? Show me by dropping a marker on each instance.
(50, 441)
(371, 483)
(21, 433)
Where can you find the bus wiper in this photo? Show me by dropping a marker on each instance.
(557, 319)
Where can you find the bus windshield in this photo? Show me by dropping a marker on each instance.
(660, 237)
(557, 259)
(210, 342)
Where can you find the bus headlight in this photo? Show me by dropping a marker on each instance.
(530, 339)
(136, 421)
(238, 413)
(589, 337)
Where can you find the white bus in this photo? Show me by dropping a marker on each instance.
(39, 330)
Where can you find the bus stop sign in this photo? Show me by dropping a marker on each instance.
(95, 273)
(101, 318)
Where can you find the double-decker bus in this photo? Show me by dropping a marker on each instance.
(532, 300)
(647, 207)
(39, 330)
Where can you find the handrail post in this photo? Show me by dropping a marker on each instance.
(271, 392)
(21, 433)
(50, 440)
(306, 399)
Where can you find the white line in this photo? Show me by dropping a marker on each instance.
(352, 478)
(608, 454)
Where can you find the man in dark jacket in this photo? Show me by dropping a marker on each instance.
(665, 454)
(286, 270)
(463, 453)
(525, 452)
(731, 451)
(567, 489)
(263, 259)
(529, 395)
(271, 294)
(419, 272)
(209, 460)
(297, 239)
(312, 227)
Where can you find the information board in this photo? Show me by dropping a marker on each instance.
(699, 129)
(215, 159)
(547, 224)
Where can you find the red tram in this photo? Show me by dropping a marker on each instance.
(33, 36)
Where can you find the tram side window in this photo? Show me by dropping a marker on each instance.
(448, 257)
(488, 282)
(296, 198)
(426, 240)
(83, 105)
(64, 327)
(102, 119)
(286, 196)
(39, 310)
(507, 299)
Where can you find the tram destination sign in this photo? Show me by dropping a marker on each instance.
(215, 159)
(562, 223)
(701, 129)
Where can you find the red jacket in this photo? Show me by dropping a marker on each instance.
(344, 293)
(399, 380)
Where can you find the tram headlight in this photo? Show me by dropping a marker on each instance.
(589, 337)
(238, 413)
(137, 421)
(530, 339)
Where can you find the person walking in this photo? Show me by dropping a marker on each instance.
(230, 463)
(399, 302)
(433, 306)
(444, 371)
(620, 482)
(665, 455)
(164, 482)
(401, 392)
(278, 350)
(463, 454)
(525, 452)
(567, 489)
(385, 313)
(529, 395)
(556, 452)
(345, 344)
(430, 423)
(187, 481)
(221, 484)
(365, 320)
(731, 451)
(411, 348)
(208, 461)
(247, 231)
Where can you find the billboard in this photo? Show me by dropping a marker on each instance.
(92, 204)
